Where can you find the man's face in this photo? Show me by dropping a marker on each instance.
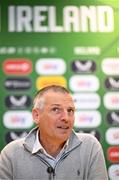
(57, 117)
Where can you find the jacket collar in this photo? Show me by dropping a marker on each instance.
(74, 140)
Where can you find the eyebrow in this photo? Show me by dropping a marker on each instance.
(55, 105)
(73, 107)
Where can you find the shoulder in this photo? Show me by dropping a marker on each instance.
(86, 136)
(13, 146)
(88, 139)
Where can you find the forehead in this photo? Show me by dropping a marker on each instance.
(52, 97)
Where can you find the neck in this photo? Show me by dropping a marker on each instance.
(51, 147)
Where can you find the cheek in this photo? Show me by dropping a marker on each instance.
(72, 121)
(50, 120)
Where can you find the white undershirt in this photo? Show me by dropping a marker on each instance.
(50, 159)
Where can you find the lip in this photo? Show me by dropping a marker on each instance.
(63, 127)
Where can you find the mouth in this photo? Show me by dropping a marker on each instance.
(63, 127)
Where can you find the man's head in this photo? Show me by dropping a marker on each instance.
(39, 99)
(53, 112)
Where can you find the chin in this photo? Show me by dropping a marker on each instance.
(64, 137)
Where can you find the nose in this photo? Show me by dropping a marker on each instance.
(64, 116)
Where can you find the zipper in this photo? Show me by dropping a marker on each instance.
(50, 170)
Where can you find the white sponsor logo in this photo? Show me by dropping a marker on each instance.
(86, 100)
(111, 100)
(87, 119)
(18, 119)
(115, 117)
(82, 50)
(83, 66)
(50, 66)
(112, 136)
(15, 136)
(110, 66)
(18, 102)
(113, 172)
(83, 83)
(114, 82)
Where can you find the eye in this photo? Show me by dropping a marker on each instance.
(56, 109)
(70, 111)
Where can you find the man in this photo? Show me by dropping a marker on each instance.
(53, 150)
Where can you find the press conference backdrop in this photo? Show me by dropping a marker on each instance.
(71, 43)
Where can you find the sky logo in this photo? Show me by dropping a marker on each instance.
(81, 83)
(110, 66)
(111, 100)
(18, 119)
(113, 172)
(50, 66)
(86, 101)
(112, 136)
(87, 119)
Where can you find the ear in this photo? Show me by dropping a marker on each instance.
(36, 115)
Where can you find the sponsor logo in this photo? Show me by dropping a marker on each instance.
(111, 100)
(13, 135)
(112, 83)
(49, 80)
(50, 66)
(17, 101)
(17, 83)
(18, 119)
(83, 83)
(86, 100)
(87, 119)
(92, 132)
(17, 66)
(113, 118)
(112, 136)
(110, 66)
(113, 172)
(83, 66)
(113, 154)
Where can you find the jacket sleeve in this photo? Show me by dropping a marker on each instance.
(97, 169)
(5, 166)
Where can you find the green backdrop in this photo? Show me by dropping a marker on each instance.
(75, 33)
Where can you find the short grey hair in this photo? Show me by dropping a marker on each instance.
(39, 100)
